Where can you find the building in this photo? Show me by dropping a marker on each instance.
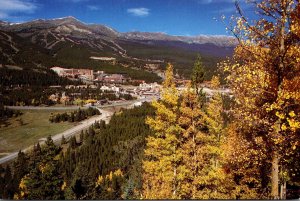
(64, 98)
(54, 97)
(152, 66)
(85, 74)
(112, 79)
(105, 88)
(77, 73)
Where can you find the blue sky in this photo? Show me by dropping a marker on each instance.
(175, 17)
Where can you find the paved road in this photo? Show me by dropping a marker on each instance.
(105, 115)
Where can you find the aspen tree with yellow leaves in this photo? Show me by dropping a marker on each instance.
(215, 183)
(183, 159)
(244, 165)
(108, 186)
(160, 168)
(265, 80)
(190, 121)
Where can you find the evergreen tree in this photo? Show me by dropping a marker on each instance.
(8, 191)
(44, 180)
(81, 137)
(129, 190)
(20, 168)
(197, 75)
(63, 140)
(73, 142)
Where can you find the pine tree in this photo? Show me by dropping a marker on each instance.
(20, 168)
(2, 184)
(160, 179)
(44, 180)
(73, 142)
(8, 191)
(129, 190)
(81, 137)
(198, 75)
(63, 140)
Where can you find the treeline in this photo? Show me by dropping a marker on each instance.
(75, 116)
(105, 163)
(28, 87)
(30, 95)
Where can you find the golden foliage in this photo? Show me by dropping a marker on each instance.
(264, 76)
(160, 167)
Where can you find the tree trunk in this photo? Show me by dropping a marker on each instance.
(194, 164)
(283, 191)
(174, 174)
(275, 176)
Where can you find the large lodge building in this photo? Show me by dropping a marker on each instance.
(86, 74)
(90, 75)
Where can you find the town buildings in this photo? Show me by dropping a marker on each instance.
(111, 78)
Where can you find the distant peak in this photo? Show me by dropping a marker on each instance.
(70, 17)
(67, 18)
(63, 18)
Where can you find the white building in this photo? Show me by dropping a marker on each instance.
(115, 89)
(104, 88)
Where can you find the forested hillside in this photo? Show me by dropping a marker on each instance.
(26, 86)
(105, 163)
(70, 43)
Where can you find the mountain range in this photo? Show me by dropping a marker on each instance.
(69, 42)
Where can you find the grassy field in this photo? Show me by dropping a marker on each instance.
(33, 126)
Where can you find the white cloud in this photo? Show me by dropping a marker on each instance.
(17, 5)
(8, 7)
(139, 12)
(93, 8)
